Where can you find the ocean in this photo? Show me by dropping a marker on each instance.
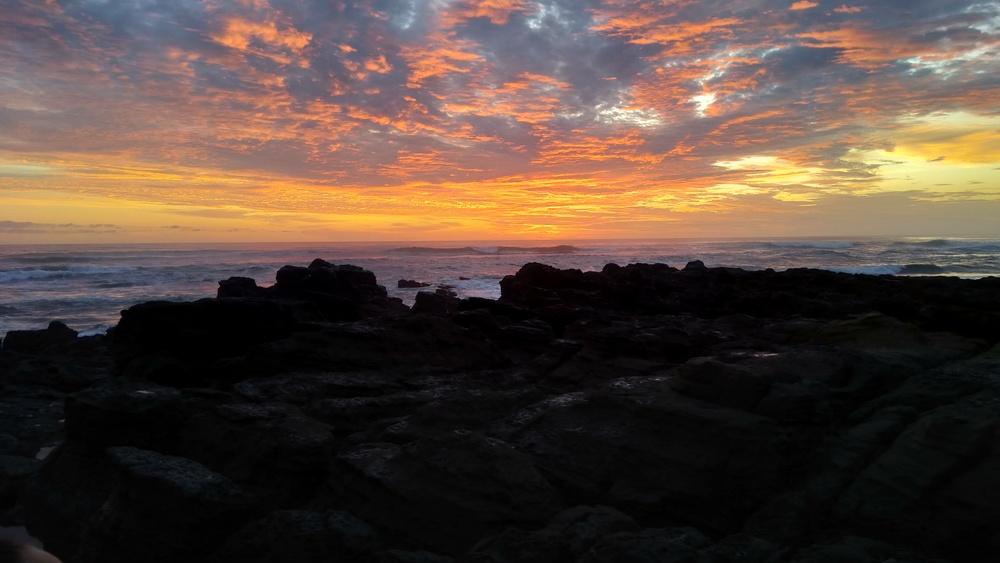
(86, 286)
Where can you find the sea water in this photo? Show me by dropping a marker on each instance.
(87, 286)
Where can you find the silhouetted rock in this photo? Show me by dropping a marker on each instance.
(408, 284)
(37, 341)
(175, 343)
(704, 414)
(239, 287)
(440, 303)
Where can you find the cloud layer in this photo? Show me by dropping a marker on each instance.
(517, 117)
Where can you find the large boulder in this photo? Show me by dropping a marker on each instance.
(343, 292)
(302, 536)
(167, 342)
(406, 343)
(37, 341)
(162, 509)
(446, 492)
(127, 504)
(643, 448)
(933, 482)
(270, 449)
(125, 413)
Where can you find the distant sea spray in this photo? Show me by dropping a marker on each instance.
(812, 244)
(474, 250)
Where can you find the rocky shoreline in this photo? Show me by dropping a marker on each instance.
(642, 413)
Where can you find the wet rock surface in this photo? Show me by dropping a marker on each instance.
(640, 413)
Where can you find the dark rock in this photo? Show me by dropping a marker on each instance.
(790, 416)
(650, 452)
(59, 501)
(65, 368)
(8, 443)
(30, 421)
(303, 537)
(350, 282)
(541, 546)
(648, 546)
(471, 408)
(584, 526)
(121, 413)
(725, 384)
(481, 320)
(878, 333)
(300, 388)
(357, 414)
(537, 285)
(501, 310)
(440, 303)
(405, 344)
(444, 493)
(944, 462)
(187, 334)
(14, 473)
(38, 341)
(744, 548)
(126, 504)
(271, 449)
(849, 549)
(407, 284)
(626, 348)
(163, 509)
(239, 287)
(403, 556)
(526, 338)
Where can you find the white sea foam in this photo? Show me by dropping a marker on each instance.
(24, 274)
(869, 270)
(829, 245)
(95, 331)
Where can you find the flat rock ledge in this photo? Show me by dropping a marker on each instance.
(642, 413)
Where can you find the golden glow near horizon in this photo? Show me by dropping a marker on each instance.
(230, 120)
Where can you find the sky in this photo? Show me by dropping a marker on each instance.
(336, 120)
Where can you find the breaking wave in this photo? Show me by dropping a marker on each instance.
(827, 245)
(898, 270)
(66, 272)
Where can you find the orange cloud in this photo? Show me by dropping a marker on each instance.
(497, 11)
(378, 64)
(803, 5)
(599, 118)
(445, 58)
(241, 34)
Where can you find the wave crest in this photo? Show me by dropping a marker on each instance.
(894, 270)
(485, 250)
(7, 276)
(832, 244)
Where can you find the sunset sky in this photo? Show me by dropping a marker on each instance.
(305, 120)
